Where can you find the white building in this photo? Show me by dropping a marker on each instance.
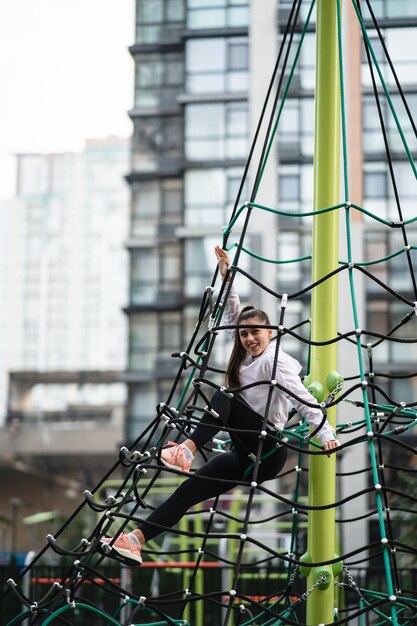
(65, 268)
(63, 336)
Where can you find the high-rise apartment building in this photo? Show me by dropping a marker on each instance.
(202, 70)
(63, 340)
(68, 261)
(73, 261)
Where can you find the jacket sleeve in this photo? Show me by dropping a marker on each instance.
(231, 310)
(291, 381)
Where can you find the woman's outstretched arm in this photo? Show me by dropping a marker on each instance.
(232, 305)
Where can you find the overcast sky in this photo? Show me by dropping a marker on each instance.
(65, 76)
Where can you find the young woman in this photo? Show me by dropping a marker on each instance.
(251, 361)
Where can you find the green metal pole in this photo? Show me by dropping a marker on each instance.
(324, 305)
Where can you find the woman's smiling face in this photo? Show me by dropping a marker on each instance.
(256, 339)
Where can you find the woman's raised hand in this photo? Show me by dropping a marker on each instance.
(331, 446)
(223, 260)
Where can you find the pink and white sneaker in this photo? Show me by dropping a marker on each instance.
(173, 455)
(126, 547)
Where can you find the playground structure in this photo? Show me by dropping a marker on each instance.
(233, 534)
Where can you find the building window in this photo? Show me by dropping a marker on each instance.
(289, 188)
(288, 248)
(210, 195)
(378, 245)
(296, 129)
(379, 191)
(158, 20)
(295, 192)
(153, 338)
(217, 14)
(382, 316)
(375, 184)
(375, 190)
(406, 185)
(157, 143)
(155, 274)
(296, 313)
(156, 202)
(373, 137)
(159, 78)
(293, 245)
(405, 390)
(400, 43)
(390, 9)
(171, 201)
(169, 273)
(142, 405)
(216, 131)
(143, 399)
(304, 71)
(143, 342)
(145, 209)
(144, 276)
(217, 65)
(284, 10)
(169, 332)
(200, 264)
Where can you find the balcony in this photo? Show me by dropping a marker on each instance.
(77, 431)
(63, 415)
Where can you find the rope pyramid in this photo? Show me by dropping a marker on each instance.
(251, 541)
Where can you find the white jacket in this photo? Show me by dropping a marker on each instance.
(287, 372)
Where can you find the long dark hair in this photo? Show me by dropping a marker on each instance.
(238, 351)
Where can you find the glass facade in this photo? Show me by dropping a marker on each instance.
(74, 266)
(390, 9)
(209, 195)
(158, 79)
(151, 344)
(159, 20)
(296, 128)
(158, 144)
(216, 131)
(155, 204)
(155, 274)
(217, 14)
(216, 65)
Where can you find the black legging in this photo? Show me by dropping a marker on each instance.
(231, 467)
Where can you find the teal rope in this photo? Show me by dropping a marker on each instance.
(378, 496)
(109, 618)
(381, 260)
(263, 457)
(81, 605)
(273, 261)
(308, 257)
(380, 220)
(250, 205)
(18, 619)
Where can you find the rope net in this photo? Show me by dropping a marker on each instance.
(238, 559)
